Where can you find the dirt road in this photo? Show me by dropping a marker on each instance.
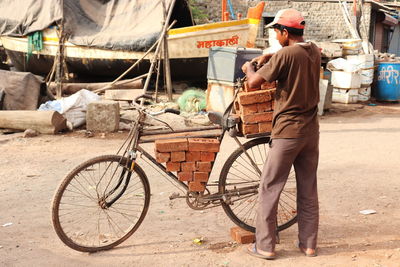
(359, 169)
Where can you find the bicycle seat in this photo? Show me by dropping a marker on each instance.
(215, 117)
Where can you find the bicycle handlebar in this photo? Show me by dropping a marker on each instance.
(173, 111)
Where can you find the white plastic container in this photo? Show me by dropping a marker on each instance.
(363, 61)
(346, 80)
(345, 96)
(350, 46)
(367, 76)
(364, 93)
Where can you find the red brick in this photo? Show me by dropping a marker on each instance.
(203, 144)
(260, 96)
(193, 156)
(267, 85)
(185, 176)
(273, 93)
(162, 157)
(188, 166)
(242, 236)
(265, 127)
(200, 177)
(248, 109)
(256, 118)
(178, 156)
(173, 166)
(203, 166)
(249, 128)
(197, 186)
(170, 145)
(266, 106)
(249, 89)
(207, 156)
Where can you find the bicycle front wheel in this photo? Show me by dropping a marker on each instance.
(100, 203)
(240, 179)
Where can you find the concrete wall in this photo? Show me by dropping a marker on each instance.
(324, 19)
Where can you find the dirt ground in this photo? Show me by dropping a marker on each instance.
(359, 169)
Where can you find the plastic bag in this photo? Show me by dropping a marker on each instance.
(73, 107)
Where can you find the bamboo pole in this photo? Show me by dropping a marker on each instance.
(167, 66)
(163, 33)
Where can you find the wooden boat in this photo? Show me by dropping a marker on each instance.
(188, 51)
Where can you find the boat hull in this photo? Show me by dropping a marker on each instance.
(105, 70)
(188, 52)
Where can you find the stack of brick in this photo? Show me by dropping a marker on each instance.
(255, 107)
(191, 158)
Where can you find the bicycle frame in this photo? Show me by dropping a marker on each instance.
(135, 147)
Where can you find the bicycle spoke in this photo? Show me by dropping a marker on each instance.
(84, 220)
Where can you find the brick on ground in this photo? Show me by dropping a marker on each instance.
(188, 166)
(207, 156)
(203, 144)
(173, 166)
(178, 156)
(203, 166)
(102, 116)
(256, 118)
(242, 236)
(185, 176)
(171, 145)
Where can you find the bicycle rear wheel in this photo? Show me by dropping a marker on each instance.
(100, 204)
(240, 181)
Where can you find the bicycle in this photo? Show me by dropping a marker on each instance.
(103, 201)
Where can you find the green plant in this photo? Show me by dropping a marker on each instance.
(198, 13)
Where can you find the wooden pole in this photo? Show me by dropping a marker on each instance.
(45, 122)
(167, 66)
(163, 33)
(59, 63)
(223, 9)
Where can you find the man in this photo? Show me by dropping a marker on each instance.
(295, 133)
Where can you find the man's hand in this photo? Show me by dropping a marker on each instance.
(247, 66)
(262, 59)
(254, 80)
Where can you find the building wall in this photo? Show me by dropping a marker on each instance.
(324, 19)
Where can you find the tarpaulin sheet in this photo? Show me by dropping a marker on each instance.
(113, 24)
(22, 90)
(20, 17)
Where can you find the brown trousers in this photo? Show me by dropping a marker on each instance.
(303, 153)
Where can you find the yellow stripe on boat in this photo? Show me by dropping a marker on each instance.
(213, 26)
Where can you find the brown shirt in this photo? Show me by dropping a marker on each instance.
(296, 68)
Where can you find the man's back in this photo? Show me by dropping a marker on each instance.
(297, 70)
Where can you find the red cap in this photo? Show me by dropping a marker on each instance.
(289, 18)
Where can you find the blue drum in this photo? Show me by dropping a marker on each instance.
(388, 84)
